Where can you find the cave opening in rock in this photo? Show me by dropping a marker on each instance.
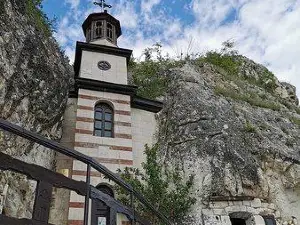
(236, 221)
(241, 218)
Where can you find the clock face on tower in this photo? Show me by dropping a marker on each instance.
(104, 65)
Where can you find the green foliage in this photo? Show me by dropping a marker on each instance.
(34, 10)
(267, 81)
(165, 188)
(252, 98)
(225, 61)
(295, 120)
(149, 75)
(229, 61)
(151, 83)
(250, 128)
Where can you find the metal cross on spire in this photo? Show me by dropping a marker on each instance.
(102, 4)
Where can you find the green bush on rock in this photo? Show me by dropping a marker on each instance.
(150, 75)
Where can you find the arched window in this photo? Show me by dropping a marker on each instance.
(101, 213)
(103, 125)
(98, 29)
(110, 32)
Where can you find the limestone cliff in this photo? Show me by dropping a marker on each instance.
(238, 133)
(34, 79)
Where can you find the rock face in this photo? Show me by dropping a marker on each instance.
(239, 139)
(34, 80)
(252, 70)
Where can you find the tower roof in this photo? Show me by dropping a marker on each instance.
(102, 16)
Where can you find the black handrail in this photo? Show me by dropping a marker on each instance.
(29, 135)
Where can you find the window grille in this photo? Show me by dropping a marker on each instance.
(98, 29)
(103, 125)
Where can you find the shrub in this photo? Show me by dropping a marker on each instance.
(151, 83)
(164, 188)
(267, 81)
(150, 75)
(226, 61)
(249, 127)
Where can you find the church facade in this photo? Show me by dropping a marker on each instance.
(106, 119)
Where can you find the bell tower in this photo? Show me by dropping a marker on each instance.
(99, 59)
(102, 28)
(105, 119)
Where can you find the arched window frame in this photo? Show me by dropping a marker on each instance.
(110, 32)
(103, 120)
(101, 29)
(98, 31)
(105, 186)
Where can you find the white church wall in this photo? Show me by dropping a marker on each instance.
(89, 67)
(143, 131)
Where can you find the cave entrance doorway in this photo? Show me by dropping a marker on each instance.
(241, 218)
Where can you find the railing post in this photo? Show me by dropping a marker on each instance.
(132, 206)
(87, 197)
(42, 202)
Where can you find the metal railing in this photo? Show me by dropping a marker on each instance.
(80, 187)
